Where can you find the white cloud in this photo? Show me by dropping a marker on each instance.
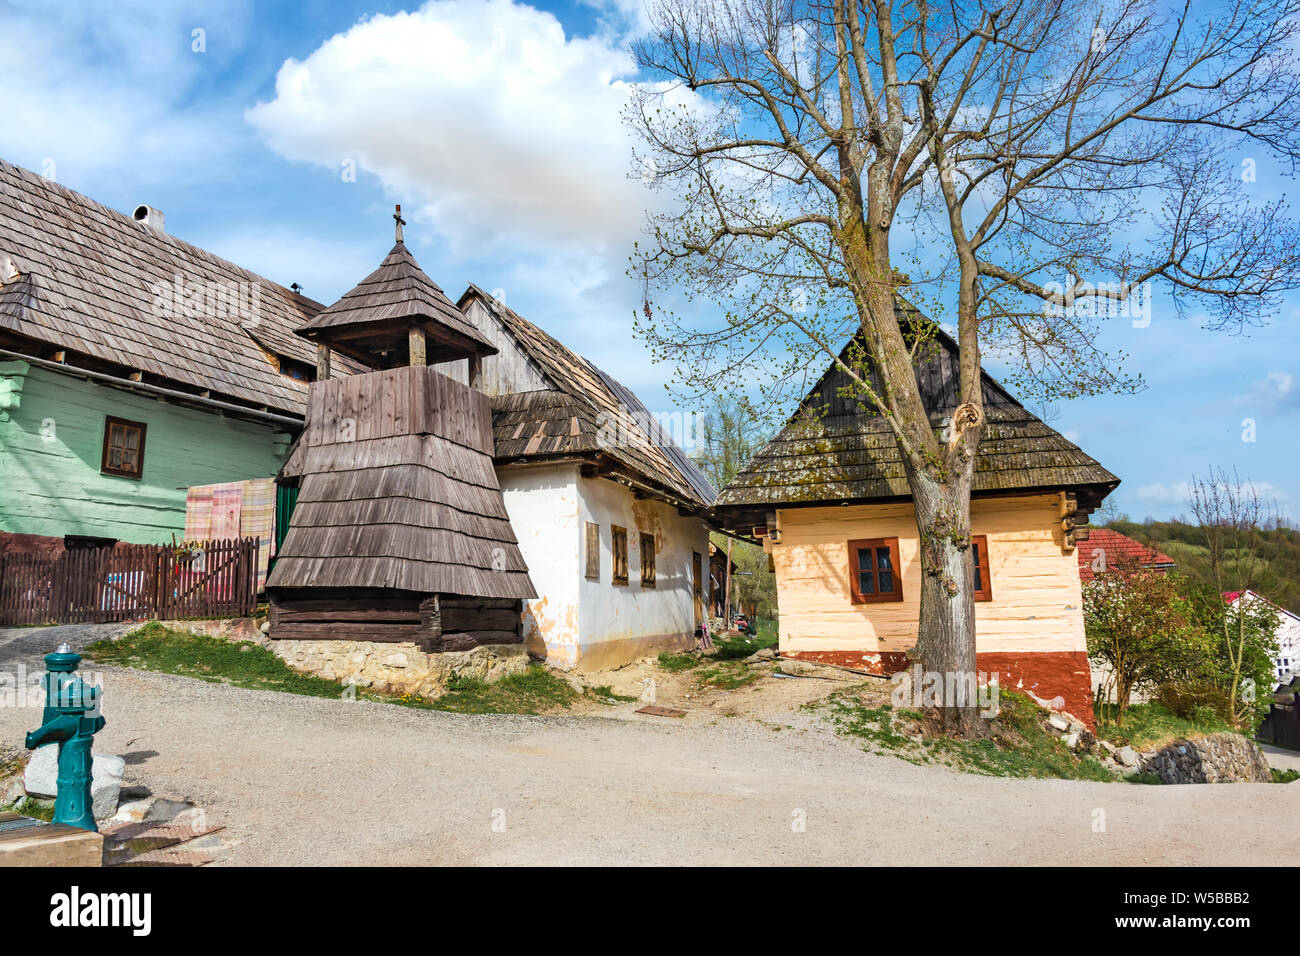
(481, 114)
(1176, 492)
(1275, 391)
(287, 256)
(93, 91)
(1157, 493)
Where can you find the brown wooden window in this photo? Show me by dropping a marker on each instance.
(618, 545)
(874, 573)
(593, 551)
(979, 555)
(647, 560)
(697, 565)
(123, 448)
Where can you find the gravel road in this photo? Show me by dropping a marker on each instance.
(301, 780)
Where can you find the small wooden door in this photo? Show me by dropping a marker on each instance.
(697, 588)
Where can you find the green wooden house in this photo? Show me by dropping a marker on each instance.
(132, 366)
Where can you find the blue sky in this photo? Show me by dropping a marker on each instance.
(496, 126)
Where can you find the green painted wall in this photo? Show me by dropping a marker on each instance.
(51, 446)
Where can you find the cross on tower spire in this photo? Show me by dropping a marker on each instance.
(400, 221)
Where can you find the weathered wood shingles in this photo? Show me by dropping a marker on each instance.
(398, 289)
(86, 284)
(835, 449)
(584, 413)
(399, 491)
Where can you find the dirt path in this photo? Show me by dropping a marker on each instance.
(303, 780)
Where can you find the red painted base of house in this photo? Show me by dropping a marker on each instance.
(1046, 675)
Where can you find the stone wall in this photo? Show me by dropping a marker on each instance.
(400, 668)
(1214, 758)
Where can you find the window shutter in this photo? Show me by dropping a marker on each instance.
(618, 545)
(647, 560)
(593, 551)
(980, 569)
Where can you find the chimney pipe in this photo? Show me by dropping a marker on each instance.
(153, 218)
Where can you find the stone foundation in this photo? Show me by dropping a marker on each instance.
(228, 629)
(400, 668)
(1214, 758)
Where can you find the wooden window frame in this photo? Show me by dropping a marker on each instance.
(980, 544)
(593, 551)
(104, 467)
(895, 568)
(618, 548)
(647, 580)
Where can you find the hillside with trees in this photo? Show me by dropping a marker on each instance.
(1188, 545)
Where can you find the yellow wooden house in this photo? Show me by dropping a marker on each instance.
(829, 501)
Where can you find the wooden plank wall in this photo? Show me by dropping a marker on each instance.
(399, 401)
(437, 624)
(1037, 600)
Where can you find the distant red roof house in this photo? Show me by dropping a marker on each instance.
(1107, 549)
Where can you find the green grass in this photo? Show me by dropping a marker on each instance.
(726, 676)
(154, 647)
(734, 648)
(1284, 776)
(1149, 779)
(1019, 747)
(37, 809)
(605, 693)
(679, 662)
(532, 692)
(1150, 726)
(11, 762)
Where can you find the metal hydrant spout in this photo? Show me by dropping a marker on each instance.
(61, 728)
(65, 722)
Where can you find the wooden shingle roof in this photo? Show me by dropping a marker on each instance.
(398, 491)
(397, 294)
(89, 283)
(835, 449)
(585, 413)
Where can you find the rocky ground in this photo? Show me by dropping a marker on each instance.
(299, 780)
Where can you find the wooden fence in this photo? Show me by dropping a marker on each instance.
(1282, 725)
(130, 583)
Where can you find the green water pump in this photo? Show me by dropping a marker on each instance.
(66, 721)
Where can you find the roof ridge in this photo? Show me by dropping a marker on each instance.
(34, 178)
(758, 482)
(648, 446)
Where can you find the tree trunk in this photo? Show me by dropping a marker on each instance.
(946, 639)
(1123, 695)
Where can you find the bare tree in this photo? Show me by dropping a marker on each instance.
(1036, 145)
(731, 433)
(1233, 517)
